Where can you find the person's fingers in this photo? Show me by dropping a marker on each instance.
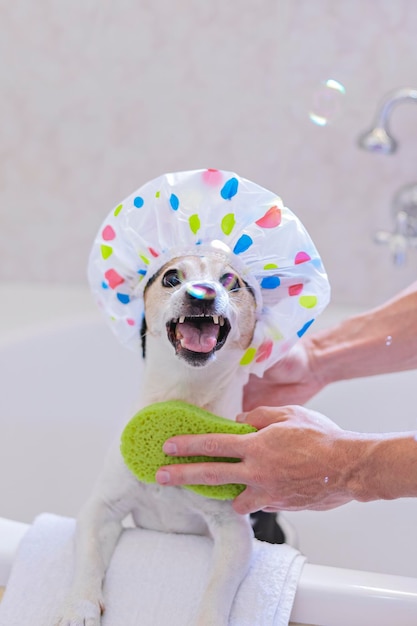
(216, 445)
(200, 474)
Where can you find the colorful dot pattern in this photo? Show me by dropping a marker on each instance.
(172, 214)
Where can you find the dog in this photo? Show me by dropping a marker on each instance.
(200, 317)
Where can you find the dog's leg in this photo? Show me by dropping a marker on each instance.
(99, 525)
(232, 550)
(96, 536)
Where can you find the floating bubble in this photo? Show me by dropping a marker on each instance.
(388, 340)
(327, 102)
(326, 479)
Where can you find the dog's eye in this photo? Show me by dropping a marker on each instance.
(171, 278)
(230, 281)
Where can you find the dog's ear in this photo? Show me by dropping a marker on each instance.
(143, 331)
(144, 326)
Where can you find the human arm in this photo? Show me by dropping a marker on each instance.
(379, 341)
(299, 459)
(284, 464)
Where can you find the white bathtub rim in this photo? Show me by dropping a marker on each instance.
(326, 596)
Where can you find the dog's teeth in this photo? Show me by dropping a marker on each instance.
(216, 319)
(221, 320)
(182, 319)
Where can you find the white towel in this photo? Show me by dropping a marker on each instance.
(154, 579)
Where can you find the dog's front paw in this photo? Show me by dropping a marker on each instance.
(81, 613)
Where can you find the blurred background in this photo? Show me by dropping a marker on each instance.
(99, 96)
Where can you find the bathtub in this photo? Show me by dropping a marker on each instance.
(67, 386)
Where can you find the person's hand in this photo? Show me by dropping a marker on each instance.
(298, 459)
(293, 380)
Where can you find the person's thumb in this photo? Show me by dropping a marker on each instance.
(262, 416)
(249, 501)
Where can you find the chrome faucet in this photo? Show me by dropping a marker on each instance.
(379, 140)
(404, 235)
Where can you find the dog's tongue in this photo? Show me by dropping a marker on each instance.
(198, 338)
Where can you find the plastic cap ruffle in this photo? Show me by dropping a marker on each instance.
(211, 212)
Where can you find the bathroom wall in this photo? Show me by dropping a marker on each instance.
(98, 96)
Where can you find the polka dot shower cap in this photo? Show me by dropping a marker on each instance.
(203, 212)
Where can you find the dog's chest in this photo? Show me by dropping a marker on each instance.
(168, 509)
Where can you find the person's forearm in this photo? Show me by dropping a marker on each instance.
(380, 466)
(298, 459)
(380, 341)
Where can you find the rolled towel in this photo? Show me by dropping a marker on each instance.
(153, 579)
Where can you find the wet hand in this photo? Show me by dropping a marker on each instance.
(297, 460)
(292, 380)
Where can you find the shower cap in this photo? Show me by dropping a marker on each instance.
(211, 212)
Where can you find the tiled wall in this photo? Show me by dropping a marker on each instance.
(99, 96)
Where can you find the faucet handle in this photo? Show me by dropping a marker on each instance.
(403, 237)
(397, 242)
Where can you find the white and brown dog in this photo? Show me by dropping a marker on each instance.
(200, 317)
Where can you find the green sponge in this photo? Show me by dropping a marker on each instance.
(144, 435)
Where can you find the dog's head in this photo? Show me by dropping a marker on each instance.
(199, 305)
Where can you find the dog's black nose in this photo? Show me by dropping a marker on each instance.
(202, 291)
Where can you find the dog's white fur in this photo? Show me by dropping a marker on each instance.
(214, 382)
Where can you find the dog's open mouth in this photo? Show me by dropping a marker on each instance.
(198, 337)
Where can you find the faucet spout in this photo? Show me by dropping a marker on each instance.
(378, 138)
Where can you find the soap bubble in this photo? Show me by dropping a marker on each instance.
(388, 340)
(327, 102)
